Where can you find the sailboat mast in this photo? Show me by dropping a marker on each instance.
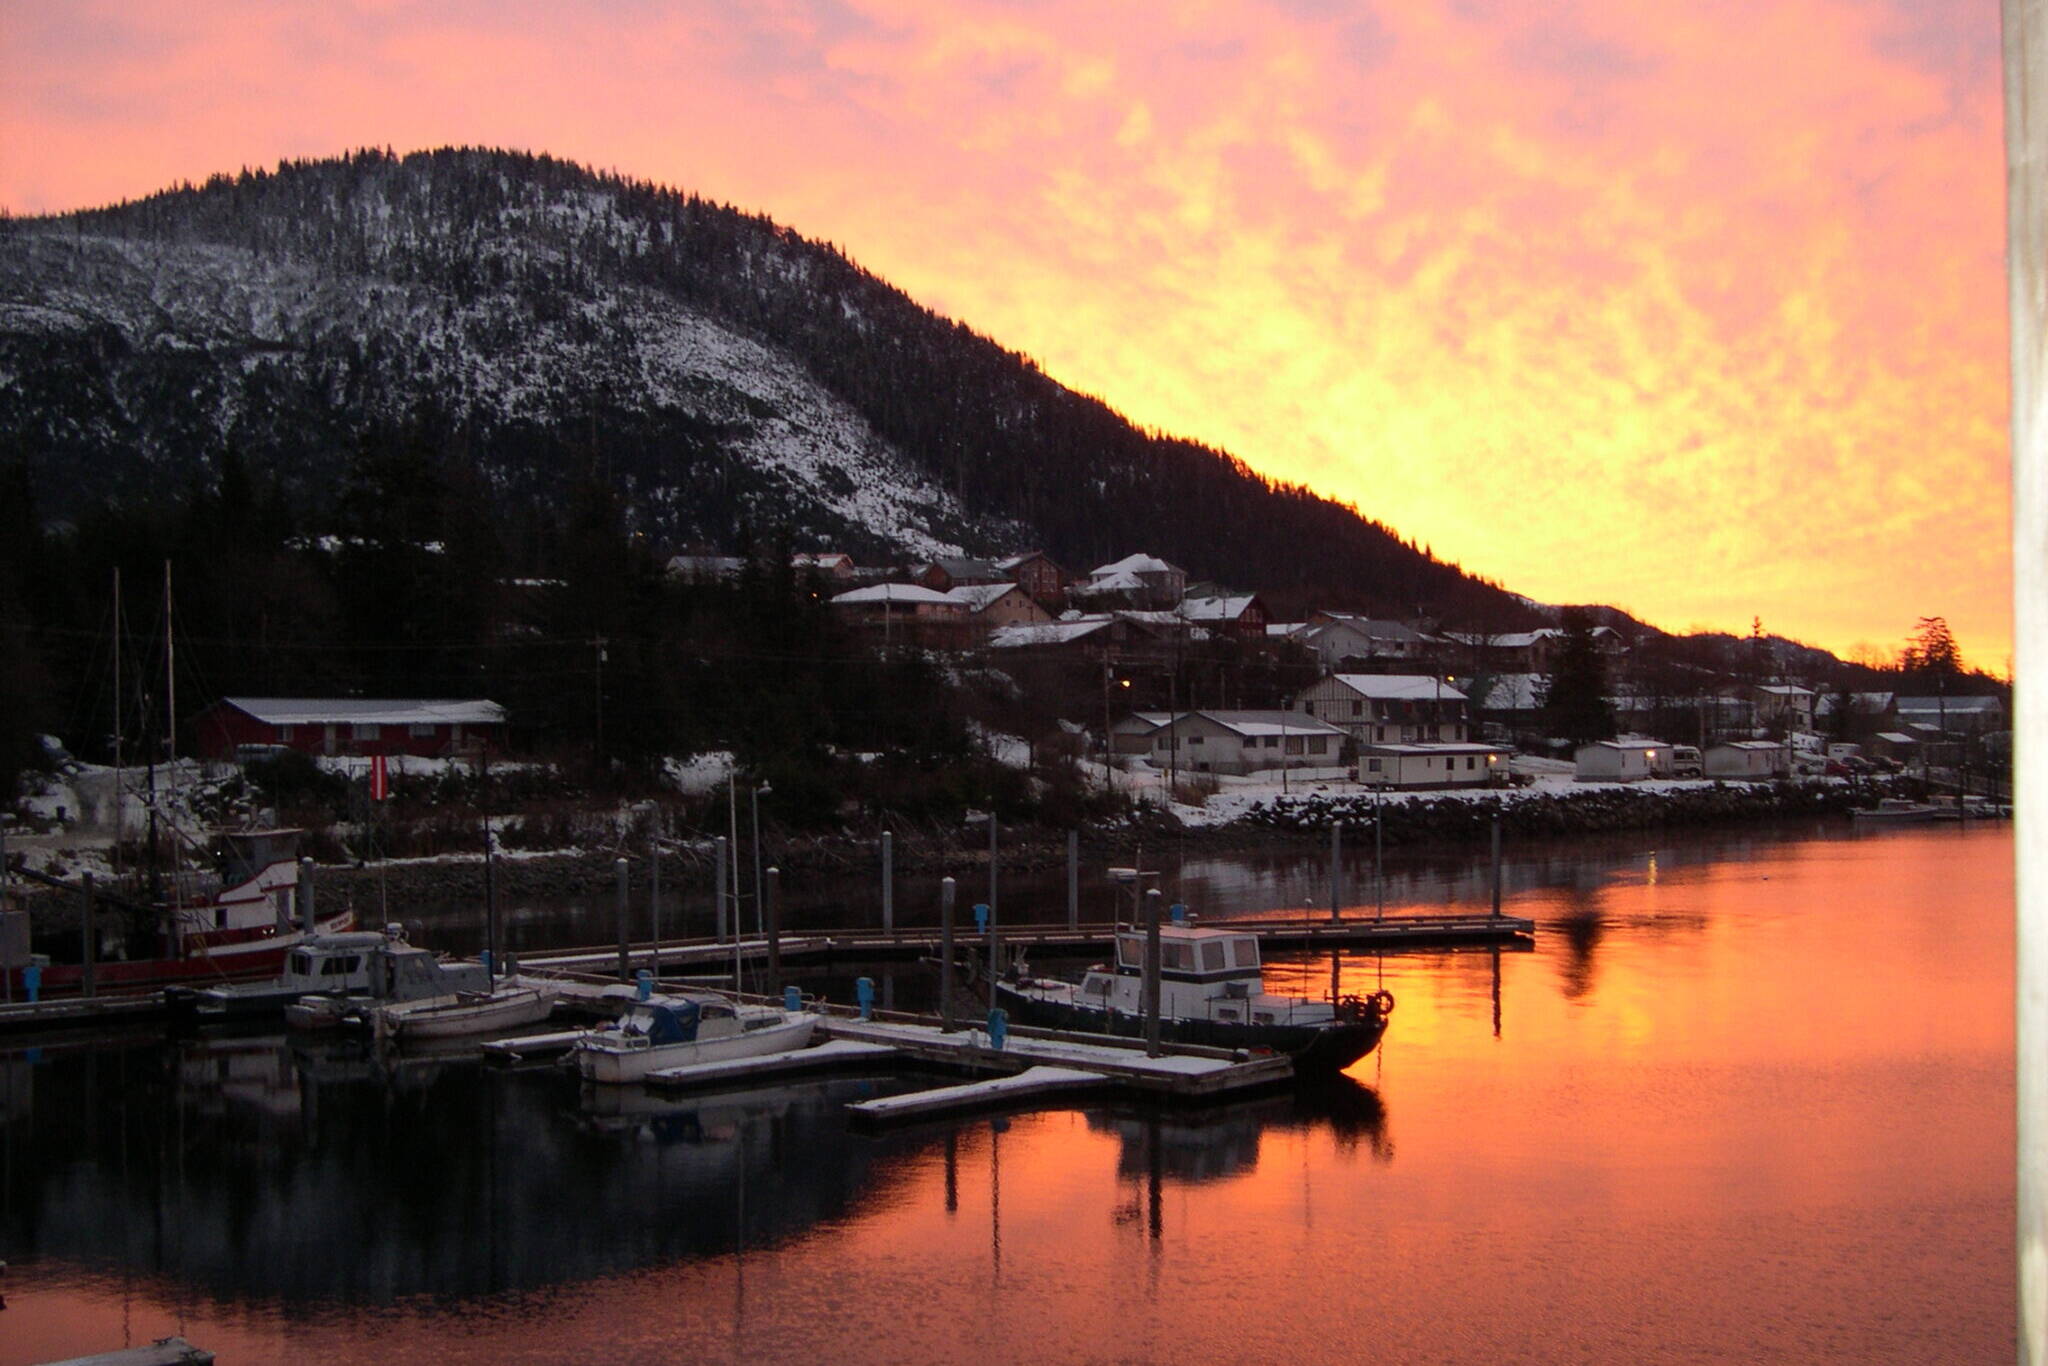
(170, 678)
(120, 802)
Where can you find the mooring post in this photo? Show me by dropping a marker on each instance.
(1152, 973)
(1379, 876)
(306, 896)
(619, 898)
(1336, 870)
(993, 861)
(771, 910)
(654, 901)
(1073, 879)
(888, 881)
(85, 936)
(1496, 862)
(718, 892)
(491, 900)
(946, 889)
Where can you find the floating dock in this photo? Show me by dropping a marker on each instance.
(172, 1351)
(1027, 1087)
(78, 1012)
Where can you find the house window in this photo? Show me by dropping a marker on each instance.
(1382, 733)
(284, 732)
(421, 730)
(1316, 744)
(1372, 765)
(1294, 744)
(1309, 707)
(1195, 739)
(1272, 742)
(369, 730)
(1160, 743)
(1358, 708)
(1471, 762)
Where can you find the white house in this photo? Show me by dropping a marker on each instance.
(1620, 761)
(1388, 708)
(1747, 759)
(1245, 742)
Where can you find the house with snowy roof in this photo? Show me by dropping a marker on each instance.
(991, 606)
(1143, 581)
(425, 727)
(1238, 614)
(1239, 742)
(905, 613)
(1389, 708)
(1344, 641)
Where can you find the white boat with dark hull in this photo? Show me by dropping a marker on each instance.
(1897, 811)
(394, 972)
(1211, 992)
(677, 1029)
(466, 1015)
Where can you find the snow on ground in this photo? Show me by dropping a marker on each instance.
(699, 774)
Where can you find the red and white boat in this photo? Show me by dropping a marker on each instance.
(236, 925)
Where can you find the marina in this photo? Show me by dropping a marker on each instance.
(1662, 1055)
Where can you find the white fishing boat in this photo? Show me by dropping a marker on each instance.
(1211, 992)
(676, 1029)
(465, 1015)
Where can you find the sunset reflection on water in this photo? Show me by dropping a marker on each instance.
(1741, 1108)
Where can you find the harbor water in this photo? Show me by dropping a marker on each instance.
(1747, 1098)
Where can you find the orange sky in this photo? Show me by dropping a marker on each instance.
(1695, 308)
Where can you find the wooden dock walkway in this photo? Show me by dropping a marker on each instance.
(1311, 932)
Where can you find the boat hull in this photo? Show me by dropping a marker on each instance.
(599, 1059)
(461, 1019)
(1315, 1048)
(241, 961)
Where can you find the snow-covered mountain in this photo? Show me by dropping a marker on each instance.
(546, 324)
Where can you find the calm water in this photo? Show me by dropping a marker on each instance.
(1745, 1100)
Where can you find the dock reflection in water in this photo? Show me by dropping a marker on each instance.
(1733, 1106)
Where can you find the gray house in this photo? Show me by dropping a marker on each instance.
(1239, 742)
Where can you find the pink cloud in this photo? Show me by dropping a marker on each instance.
(1696, 307)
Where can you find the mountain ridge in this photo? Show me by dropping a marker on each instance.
(721, 367)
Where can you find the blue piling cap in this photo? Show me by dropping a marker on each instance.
(792, 999)
(644, 987)
(1180, 913)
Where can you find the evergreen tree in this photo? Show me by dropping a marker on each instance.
(1577, 702)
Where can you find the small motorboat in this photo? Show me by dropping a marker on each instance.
(466, 1015)
(680, 1028)
(1897, 810)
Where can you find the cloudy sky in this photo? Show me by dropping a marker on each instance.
(1696, 307)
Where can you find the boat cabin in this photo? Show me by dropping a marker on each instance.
(334, 962)
(681, 1019)
(1190, 955)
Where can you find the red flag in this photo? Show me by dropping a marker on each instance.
(378, 791)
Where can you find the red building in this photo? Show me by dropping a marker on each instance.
(350, 725)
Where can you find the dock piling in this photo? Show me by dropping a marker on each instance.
(946, 890)
(620, 904)
(1073, 879)
(1496, 862)
(718, 889)
(306, 896)
(86, 938)
(1152, 973)
(771, 909)
(888, 881)
(1336, 870)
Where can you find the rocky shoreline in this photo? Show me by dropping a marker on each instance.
(1451, 821)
